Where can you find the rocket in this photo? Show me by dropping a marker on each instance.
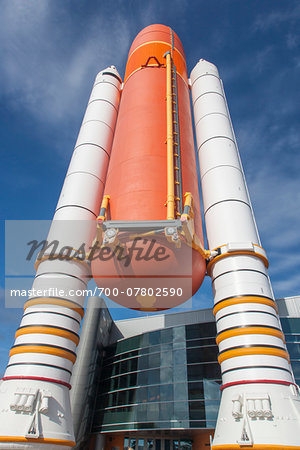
(260, 401)
(151, 188)
(34, 393)
(129, 215)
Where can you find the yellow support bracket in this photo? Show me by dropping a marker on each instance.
(103, 209)
(187, 221)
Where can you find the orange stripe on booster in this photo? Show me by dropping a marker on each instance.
(252, 351)
(37, 440)
(249, 330)
(254, 447)
(236, 253)
(247, 299)
(43, 349)
(55, 301)
(48, 330)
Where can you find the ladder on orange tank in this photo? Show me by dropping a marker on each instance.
(176, 146)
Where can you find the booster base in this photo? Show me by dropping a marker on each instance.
(258, 416)
(35, 415)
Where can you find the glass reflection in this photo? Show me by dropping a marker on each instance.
(150, 443)
(160, 375)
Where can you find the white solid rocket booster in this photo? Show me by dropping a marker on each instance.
(260, 405)
(34, 393)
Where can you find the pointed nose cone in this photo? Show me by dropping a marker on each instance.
(112, 71)
(203, 67)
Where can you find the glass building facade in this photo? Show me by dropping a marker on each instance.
(291, 329)
(162, 379)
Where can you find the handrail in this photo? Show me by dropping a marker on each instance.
(170, 144)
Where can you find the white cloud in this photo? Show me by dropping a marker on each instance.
(49, 61)
(288, 286)
(275, 18)
(292, 40)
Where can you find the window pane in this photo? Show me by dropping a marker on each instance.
(166, 335)
(296, 368)
(181, 410)
(196, 391)
(133, 364)
(294, 350)
(154, 360)
(166, 358)
(199, 371)
(179, 356)
(131, 396)
(179, 334)
(143, 362)
(166, 411)
(180, 391)
(197, 331)
(150, 443)
(142, 394)
(126, 443)
(143, 377)
(211, 410)
(122, 398)
(185, 444)
(176, 445)
(166, 374)
(141, 411)
(292, 337)
(133, 444)
(202, 354)
(153, 394)
(157, 444)
(124, 382)
(132, 379)
(166, 347)
(145, 340)
(211, 390)
(166, 392)
(197, 410)
(113, 400)
(153, 376)
(124, 366)
(152, 412)
(180, 373)
(212, 371)
(290, 325)
(154, 338)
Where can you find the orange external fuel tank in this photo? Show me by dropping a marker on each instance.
(141, 263)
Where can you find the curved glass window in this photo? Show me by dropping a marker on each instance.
(158, 380)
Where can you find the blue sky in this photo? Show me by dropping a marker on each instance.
(50, 52)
